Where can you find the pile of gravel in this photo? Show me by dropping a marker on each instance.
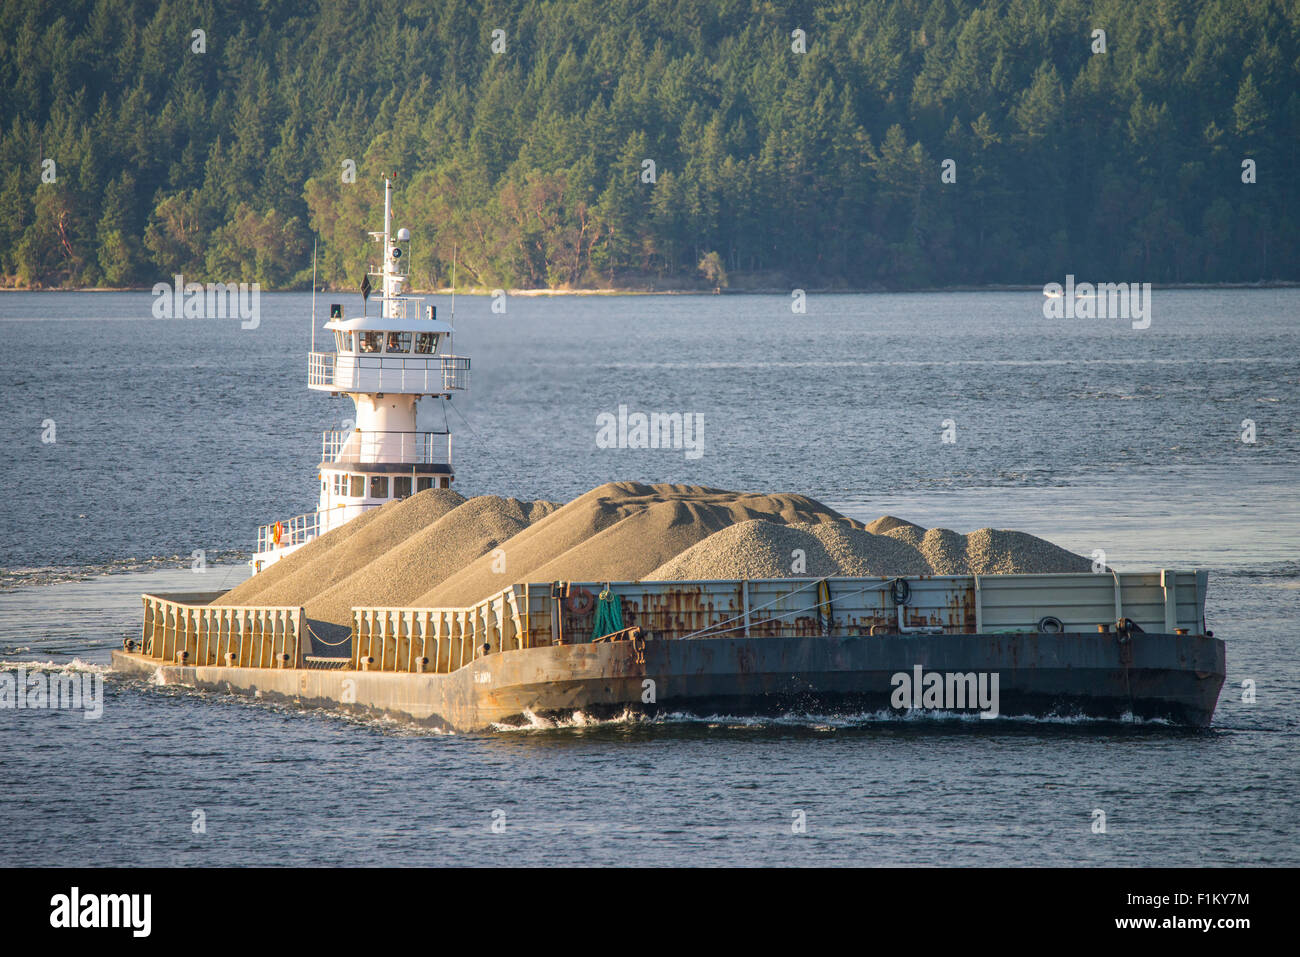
(944, 551)
(899, 530)
(401, 574)
(439, 550)
(300, 576)
(251, 591)
(888, 523)
(753, 549)
(765, 550)
(620, 531)
(997, 551)
(759, 549)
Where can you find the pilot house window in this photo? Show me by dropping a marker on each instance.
(401, 486)
(379, 486)
(399, 342)
(426, 343)
(371, 341)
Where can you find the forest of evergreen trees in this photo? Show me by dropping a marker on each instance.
(132, 148)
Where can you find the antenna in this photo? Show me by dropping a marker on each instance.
(313, 294)
(385, 306)
(453, 284)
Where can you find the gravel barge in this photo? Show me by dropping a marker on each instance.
(1108, 646)
(700, 625)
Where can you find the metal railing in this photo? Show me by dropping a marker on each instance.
(340, 513)
(358, 447)
(344, 372)
(399, 307)
(533, 615)
(184, 629)
(295, 531)
(438, 640)
(244, 636)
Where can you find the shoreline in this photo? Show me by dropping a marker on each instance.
(682, 291)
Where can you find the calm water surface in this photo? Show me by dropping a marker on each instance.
(176, 436)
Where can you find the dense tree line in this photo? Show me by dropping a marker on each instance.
(797, 141)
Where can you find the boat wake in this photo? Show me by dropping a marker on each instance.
(818, 722)
(75, 666)
(13, 578)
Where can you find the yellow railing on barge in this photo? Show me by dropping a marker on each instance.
(184, 629)
(439, 640)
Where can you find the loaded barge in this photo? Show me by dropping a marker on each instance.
(1105, 646)
(1101, 645)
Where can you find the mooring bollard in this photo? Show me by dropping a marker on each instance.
(182, 657)
(282, 659)
(365, 662)
(232, 659)
(421, 665)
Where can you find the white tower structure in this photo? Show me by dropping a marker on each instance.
(385, 363)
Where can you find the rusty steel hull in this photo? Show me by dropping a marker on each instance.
(1171, 677)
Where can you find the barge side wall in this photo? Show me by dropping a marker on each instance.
(1173, 677)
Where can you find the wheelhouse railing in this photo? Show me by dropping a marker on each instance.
(412, 448)
(397, 307)
(345, 372)
(294, 531)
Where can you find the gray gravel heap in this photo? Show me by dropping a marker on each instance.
(766, 550)
(437, 549)
(398, 576)
(301, 575)
(620, 531)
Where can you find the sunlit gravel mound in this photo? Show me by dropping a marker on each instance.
(438, 549)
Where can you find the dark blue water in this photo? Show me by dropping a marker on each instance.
(173, 436)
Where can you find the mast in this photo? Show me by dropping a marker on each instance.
(313, 295)
(388, 242)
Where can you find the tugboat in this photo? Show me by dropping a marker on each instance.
(385, 364)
